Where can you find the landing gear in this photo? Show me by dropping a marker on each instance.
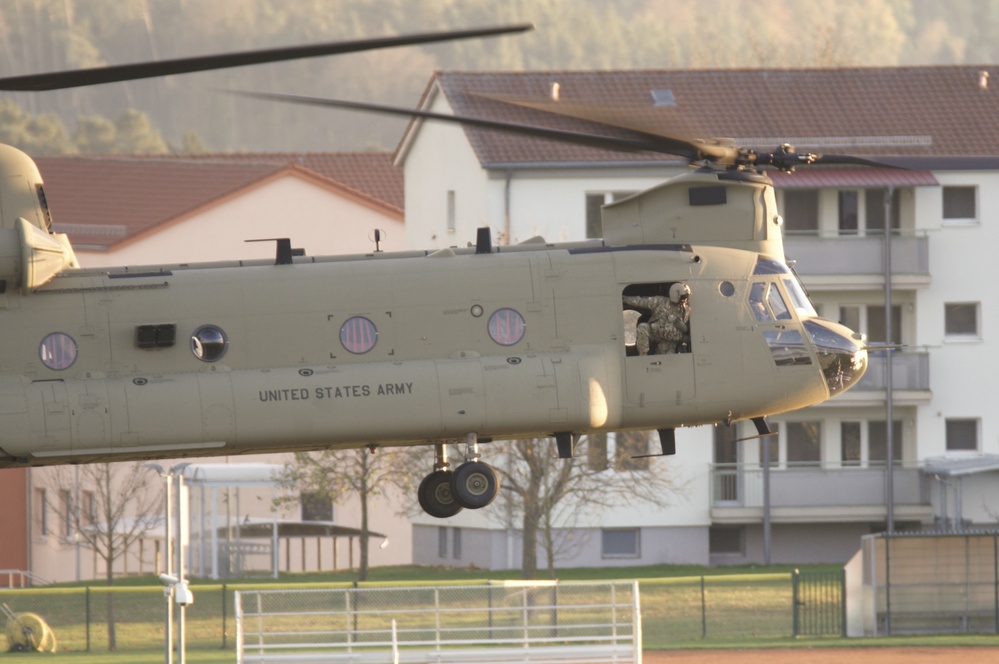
(472, 485)
(475, 485)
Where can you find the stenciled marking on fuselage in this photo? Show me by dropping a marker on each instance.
(335, 392)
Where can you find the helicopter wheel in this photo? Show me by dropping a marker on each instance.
(474, 485)
(435, 495)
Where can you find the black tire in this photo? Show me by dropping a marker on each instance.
(475, 485)
(436, 496)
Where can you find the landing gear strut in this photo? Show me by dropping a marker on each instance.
(472, 485)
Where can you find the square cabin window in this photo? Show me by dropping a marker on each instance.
(961, 320)
(620, 543)
(962, 435)
(960, 204)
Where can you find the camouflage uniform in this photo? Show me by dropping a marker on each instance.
(667, 328)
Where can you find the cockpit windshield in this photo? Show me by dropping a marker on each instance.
(799, 299)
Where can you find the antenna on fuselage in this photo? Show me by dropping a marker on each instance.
(285, 253)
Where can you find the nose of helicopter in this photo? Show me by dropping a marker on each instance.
(842, 355)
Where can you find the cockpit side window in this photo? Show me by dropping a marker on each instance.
(757, 302)
(777, 304)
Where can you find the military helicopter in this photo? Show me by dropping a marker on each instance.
(685, 313)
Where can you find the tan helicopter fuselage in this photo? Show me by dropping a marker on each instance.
(286, 379)
(405, 348)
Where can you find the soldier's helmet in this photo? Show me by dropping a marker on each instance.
(678, 292)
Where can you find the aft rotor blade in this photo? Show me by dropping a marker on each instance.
(96, 76)
(621, 144)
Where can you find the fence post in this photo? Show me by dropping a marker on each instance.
(87, 613)
(842, 602)
(704, 612)
(225, 597)
(795, 603)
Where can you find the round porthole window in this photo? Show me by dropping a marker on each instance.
(726, 288)
(506, 327)
(358, 335)
(209, 343)
(58, 351)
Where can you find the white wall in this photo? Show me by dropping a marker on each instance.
(314, 217)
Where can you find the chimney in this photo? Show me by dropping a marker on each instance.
(555, 88)
(983, 80)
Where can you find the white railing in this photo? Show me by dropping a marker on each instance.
(19, 578)
(518, 621)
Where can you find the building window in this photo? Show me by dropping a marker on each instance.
(874, 211)
(962, 435)
(442, 541)
(804, 443)
(41, 511)
(596, 451)
(630, 450)
(316, 506)
(65, 513)
(620, 543)
(870, 319)
(452, 214)
(456, 543)
(801, 211)
(88, 509)
(849, 434)
(594, 215)
(849, 212)
(961, 320)
(877, 442)
(726, 540)
(960, 204)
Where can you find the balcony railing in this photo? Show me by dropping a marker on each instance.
(821, 255)
(910, 371)
(809, 485)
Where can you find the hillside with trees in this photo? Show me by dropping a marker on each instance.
(189, 111)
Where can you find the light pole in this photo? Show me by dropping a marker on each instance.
(175, 589)
(168, 536)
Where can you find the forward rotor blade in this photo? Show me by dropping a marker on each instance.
(621, 144)
(623, 118)
(96, 76)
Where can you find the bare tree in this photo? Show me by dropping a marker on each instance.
(334, 474)
(551, 495)
(120, 509)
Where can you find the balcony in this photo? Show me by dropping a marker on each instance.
(803, 493)
(832, 261)
(910, 380)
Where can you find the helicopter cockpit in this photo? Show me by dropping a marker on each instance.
(841, 353)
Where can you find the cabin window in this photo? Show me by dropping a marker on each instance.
(358, 335)
(209, 343)
(58, 351)
(506, 327)
(657, 318)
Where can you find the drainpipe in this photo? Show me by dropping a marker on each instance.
(889, 386)
(506, 207)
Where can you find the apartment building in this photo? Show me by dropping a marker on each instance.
(933, 325)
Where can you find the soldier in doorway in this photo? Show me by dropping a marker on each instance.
(668, 328)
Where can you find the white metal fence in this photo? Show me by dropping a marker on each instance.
(508, 622)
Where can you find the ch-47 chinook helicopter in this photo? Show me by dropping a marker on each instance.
(458, 345)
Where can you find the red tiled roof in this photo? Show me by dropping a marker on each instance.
(904, 111)
(104, 200)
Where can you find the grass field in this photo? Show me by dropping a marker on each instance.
(683, 607)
